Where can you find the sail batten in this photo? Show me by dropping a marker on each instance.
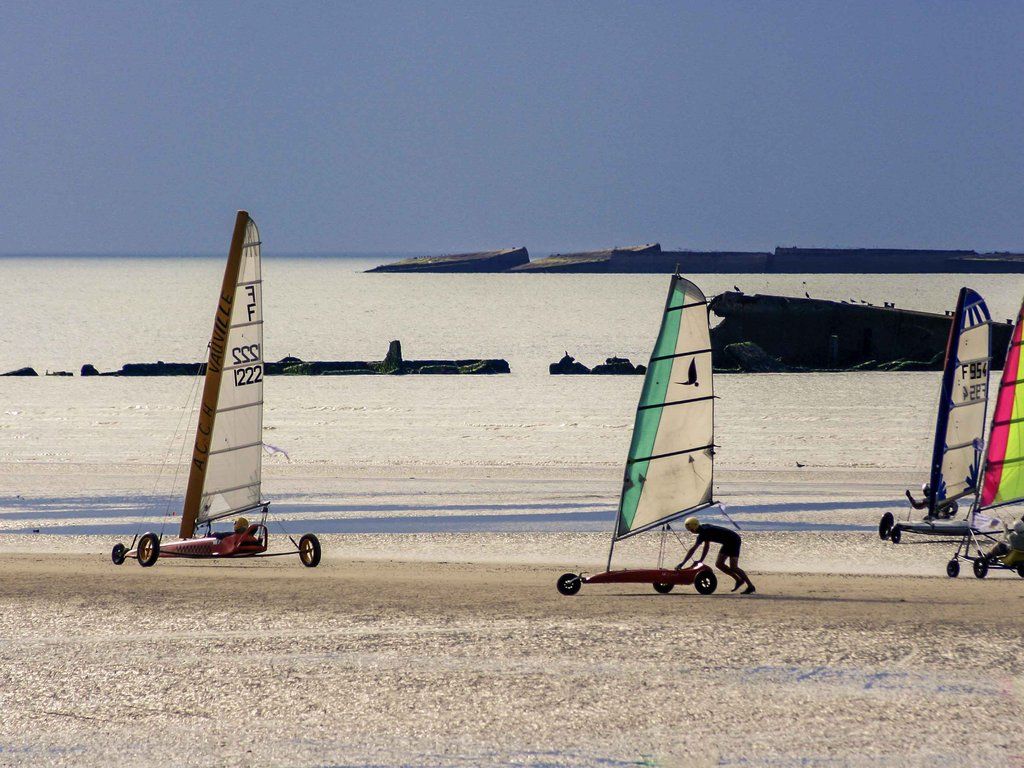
(669, 467)
(225, 477)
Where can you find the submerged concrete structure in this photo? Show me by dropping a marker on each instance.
(608, 260)
(816, 334)
(484, 261)
(651, 258)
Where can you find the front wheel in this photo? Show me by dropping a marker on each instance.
(706, 582)
(663, 589)
(148, 550)
(953, 568)
(895, 535)
(981, 568)
(117, 554)
(569, 584)
(885, 525)
(1020, 570)
(309, 550)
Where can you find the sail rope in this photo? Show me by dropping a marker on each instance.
(190, 409)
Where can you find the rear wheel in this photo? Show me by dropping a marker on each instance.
(953, 568)
(663, 589)
(569, 583)
(706, 582)
(1020, 570)
(885, 525)
(981, 568)
(309, 550)
(148, 550)
(896, 535)
(117, 553)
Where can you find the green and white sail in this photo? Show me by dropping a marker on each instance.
(669, 469)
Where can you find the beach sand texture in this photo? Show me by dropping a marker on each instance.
(391, 662)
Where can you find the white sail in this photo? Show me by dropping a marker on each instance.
(232, 478)
(671, 455)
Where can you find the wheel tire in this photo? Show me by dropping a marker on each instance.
(309, 550)
(706, 582)
(980, 569)
(1020, 570)
(117, 553)
(148, 550)
(896, 534)
(953, 568)
(569, 584)
(885, 525)
(663, 589)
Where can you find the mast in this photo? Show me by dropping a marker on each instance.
(211, 386)
(938, 448)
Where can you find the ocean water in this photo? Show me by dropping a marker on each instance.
(73, 443)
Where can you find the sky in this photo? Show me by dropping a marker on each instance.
(426, 127)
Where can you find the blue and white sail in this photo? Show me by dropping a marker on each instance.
(963, 402)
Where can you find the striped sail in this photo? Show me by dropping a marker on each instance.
(232, 481)
(960, 427)
(669, 468)
(224, 476)
(1003, 481)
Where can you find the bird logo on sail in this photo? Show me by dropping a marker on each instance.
(691, 375)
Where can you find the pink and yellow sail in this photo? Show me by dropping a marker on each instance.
(1003, 481)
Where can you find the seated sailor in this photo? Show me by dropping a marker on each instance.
(1011, 551)
(241, 526)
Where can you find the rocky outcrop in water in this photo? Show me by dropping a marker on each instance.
(26, 371)
(612, 366)
(393, 364)
(567, 366)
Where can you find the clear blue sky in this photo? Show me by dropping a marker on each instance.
(131, 127)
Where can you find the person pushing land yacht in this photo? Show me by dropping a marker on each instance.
(729, 549)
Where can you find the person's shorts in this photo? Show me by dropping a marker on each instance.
(731, 550)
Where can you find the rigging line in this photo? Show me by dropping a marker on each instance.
(167, 454)
(190, 409)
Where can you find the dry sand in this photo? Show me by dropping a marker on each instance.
(421, 662)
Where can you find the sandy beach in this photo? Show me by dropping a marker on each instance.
(402, 661)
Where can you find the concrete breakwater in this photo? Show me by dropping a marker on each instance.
(651, 258)
(393, 364)
(780, 334)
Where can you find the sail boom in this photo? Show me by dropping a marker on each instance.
(230, 512)
(665, 521)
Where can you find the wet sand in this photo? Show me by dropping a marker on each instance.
(424, 662)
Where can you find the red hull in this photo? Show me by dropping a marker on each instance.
(252, 542)
(684, 576)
